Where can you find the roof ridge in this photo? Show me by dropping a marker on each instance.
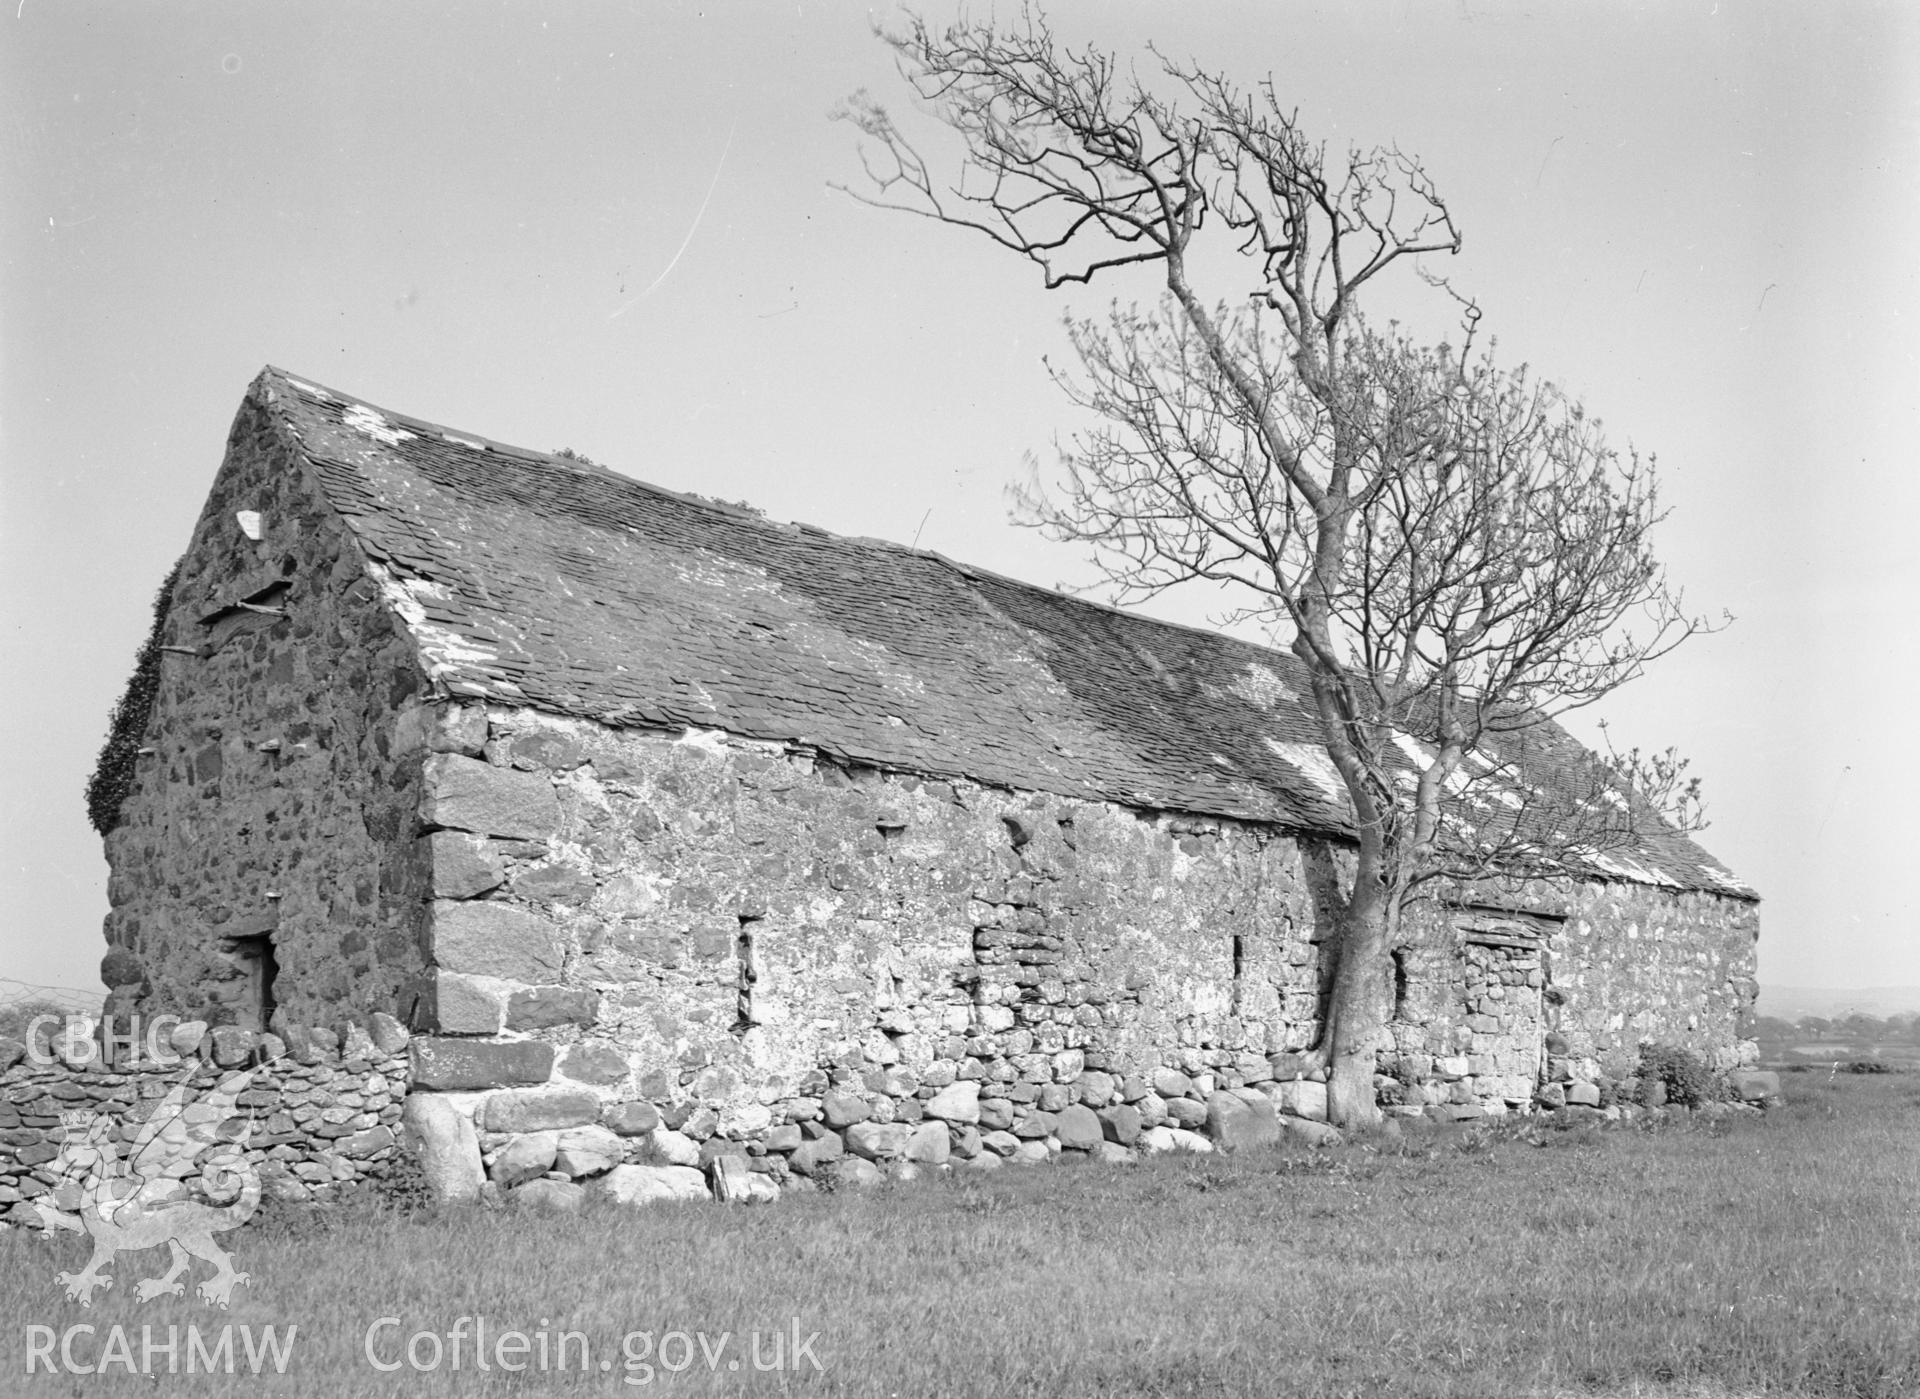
(427, 427)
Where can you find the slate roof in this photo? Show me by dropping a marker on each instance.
(536, 580)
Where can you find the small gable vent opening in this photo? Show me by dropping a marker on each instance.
(258, 610)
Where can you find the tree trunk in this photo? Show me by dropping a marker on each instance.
(1357, 1012)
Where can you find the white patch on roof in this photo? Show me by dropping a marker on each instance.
(313, 389)
(1414, 751)
(361, 418)
(1723, 878)
(1316, 765)
(445, 654)
(464, 442)
(1618, 862)
(1419, 757)
(1461, 781)
(1500, 789)
(1261, 686)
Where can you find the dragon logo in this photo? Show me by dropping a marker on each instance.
(146, 1201)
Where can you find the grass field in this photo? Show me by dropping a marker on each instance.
(1775, 1255)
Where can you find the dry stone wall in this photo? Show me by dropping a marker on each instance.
(273, 786)
(322, 1113)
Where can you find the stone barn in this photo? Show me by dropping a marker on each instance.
(636, 803)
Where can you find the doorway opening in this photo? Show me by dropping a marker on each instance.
(253, 1007)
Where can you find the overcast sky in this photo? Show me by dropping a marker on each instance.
(610, 228)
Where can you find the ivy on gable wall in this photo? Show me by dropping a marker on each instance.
(113, 774)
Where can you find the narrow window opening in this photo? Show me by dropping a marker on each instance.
(254, 1007)
(1239, 969)
(1399, 984)
(747, 973)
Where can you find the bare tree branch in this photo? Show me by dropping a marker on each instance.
(1449, 546)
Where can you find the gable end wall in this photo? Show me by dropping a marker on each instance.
(274, 766)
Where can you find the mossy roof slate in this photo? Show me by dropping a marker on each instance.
(549, 582)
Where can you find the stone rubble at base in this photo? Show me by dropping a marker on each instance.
(330, 1108)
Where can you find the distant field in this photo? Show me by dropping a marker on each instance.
(1829, 1052)
(1792, 1002)
(1775, 1255)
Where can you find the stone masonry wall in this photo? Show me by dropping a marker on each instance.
(272, 790)
(1634, 964)
(1469, 1030)
(324, 1113)
(1555, 1010)
(681, 948)
(734, 943)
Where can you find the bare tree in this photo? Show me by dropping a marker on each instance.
(1450, 548)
